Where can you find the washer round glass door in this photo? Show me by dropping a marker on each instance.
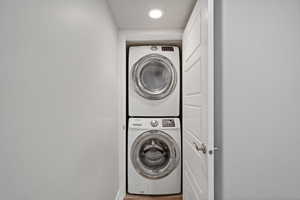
(155, 154)
(154, 77)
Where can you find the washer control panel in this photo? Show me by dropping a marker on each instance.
(168, 123)
(153, 123)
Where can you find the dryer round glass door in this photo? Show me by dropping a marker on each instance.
(155, 154)
(154, 77)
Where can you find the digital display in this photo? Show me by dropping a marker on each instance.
(167, 48)
(168, 123)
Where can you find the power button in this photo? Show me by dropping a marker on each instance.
(154, 123)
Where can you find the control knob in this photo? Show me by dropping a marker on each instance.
(154, 123)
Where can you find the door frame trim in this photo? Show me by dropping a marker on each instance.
(211, 99)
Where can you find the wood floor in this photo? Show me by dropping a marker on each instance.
(138, 197)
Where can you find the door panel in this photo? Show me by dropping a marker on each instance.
(190, 192)
(195, 123)
(194, 162)
(198, 104)
(191, 35)
(193, 84)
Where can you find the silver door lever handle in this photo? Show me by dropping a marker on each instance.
(201, 148)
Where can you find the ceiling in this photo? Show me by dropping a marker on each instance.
(133, 14)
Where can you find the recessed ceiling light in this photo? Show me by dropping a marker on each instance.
(155, 13)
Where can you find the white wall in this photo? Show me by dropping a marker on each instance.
(257, 99)
(58, 106)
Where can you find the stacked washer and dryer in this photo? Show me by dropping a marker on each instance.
(154, 130)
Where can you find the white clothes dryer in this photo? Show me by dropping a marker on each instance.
(154, 81)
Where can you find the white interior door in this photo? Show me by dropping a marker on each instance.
(198, 104)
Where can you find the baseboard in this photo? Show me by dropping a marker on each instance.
(120, 195)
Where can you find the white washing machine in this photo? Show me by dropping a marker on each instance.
(153, 81)
(154, 156)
